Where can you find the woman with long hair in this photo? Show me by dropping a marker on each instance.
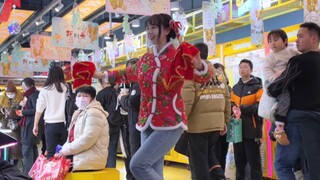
(52, 98)
(160, 75)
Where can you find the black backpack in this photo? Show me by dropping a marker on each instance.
(115, 117)
(70, 106)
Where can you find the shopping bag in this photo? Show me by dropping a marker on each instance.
(53, 169)
(36, 167)
(234, 133)
(267, 106)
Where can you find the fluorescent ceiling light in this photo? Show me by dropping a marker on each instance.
(15, 44)
(24, 34)
(59, 7)
(135, 23)
(39, 22)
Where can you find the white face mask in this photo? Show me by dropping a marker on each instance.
(82, 102)
(10, 95)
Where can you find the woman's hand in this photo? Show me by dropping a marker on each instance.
(19, 113)
(197, 62)
(60, 154)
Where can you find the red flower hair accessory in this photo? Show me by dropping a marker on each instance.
(176, 26)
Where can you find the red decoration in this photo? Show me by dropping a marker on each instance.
(7, 8)
(82, 74)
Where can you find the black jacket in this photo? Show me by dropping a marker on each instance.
(247, 96)
(27, 136)
(131, 103)
(105, 97)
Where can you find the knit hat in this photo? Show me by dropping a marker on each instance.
(82, 73)
(10, 87)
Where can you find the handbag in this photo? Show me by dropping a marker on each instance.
(267, 106)
(234, 133)
(53, 169)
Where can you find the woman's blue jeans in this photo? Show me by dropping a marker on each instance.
(147, 162)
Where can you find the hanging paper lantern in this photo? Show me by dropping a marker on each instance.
(14, 28)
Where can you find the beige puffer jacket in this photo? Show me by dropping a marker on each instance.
(91, 138)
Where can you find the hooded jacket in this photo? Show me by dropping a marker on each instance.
(247, 96)
(91, 138)
(207, 105)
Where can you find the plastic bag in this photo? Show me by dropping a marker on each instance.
(234, 133)
(266, 106)
(53, 169)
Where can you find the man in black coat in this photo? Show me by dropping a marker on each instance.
(28, 140)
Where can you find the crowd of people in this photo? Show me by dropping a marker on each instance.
(172, 91)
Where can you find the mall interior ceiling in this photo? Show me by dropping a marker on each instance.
(45, 9)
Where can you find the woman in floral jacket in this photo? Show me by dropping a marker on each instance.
(160, 75)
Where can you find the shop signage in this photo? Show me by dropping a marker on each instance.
(22, 61)
(139, 7)
(84, 36)
(41, 48)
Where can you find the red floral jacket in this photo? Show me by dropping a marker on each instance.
(160, 77)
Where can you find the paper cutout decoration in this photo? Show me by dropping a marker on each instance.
(140, 7)
(209, 34)
(257, 28)
(83, 36)
(76, 15)
(311, 10)
(22, 61)
(41, 48)
(126, 25)
(111, 51)
(181, 17)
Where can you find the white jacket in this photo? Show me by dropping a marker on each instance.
(276, 63)
(91, 138)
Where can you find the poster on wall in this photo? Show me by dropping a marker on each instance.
(209, 31)
(22, 61)
(41, 48)
(138, 7)
(311, 10)
(84, 36)
(257, 29)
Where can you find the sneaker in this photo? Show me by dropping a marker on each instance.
(281, 138)
(217, 174)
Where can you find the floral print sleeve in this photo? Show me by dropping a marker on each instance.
(124, 75)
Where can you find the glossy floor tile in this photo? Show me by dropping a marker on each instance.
(172, 171)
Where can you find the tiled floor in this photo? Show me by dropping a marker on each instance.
(173, 171)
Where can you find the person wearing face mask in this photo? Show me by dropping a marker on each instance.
(10, 103)
(88, 137)
(28, 140)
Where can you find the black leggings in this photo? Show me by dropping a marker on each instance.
(56, 133)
